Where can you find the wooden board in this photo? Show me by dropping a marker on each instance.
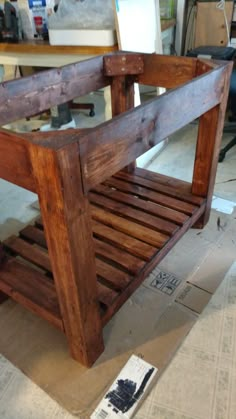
(128, 234)
(210, 24)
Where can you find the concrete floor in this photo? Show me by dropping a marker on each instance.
(19, 397)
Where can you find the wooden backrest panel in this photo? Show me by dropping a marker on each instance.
(31, 95)
(114, 144)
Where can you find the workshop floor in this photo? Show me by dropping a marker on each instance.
(22, 399)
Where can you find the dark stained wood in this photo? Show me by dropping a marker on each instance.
(167, 71)
(107, 296)
(66, 216)
(153, 196)
(159, 178)
(173, 217)
(204, 65)
(133, 246)
(49, 88)
(130, 213)
(31, 253)
(34, 235)
(166, 190)
(15, 163)
(149, 267)
(120, 257)
(114, 277)
(122, 99)
(102, 231)
(108, 148)
(103, 249)
(120, 64)
(130, 228)
(208, 147)
(20, 282)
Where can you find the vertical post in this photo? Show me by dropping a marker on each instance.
(122, 99)
(208, 147)
(66, 218)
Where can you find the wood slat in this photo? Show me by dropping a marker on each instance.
(144, 234)
(182, 185)
(31, 253)
(136, 247)
(164, 189)
(31, 289)
(173, 217)
(156, 197)
(127, 261)
(35, 235)
(107, 296)
(150, 266)
(132, 214)
(116, 279)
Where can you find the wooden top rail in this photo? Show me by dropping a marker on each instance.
(31, 95)
(108, 148)
(52, 87)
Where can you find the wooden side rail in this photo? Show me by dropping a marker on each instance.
(116, 143)
(31, 95)
(103, 229)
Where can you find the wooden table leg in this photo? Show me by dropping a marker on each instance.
(207, 153)
(66, 218)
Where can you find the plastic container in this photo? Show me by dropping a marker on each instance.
(167, 9)
(82, 37)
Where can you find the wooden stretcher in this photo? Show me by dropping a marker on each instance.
(104, 223)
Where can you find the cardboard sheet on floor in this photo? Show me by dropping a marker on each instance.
(152, 323)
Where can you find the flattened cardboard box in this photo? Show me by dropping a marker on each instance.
(152, 324)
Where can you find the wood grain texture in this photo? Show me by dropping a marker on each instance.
(145, 219)
(167, 71)
(154, 186)
(120, 64)
(128, 227)
(131, 245)
(158, 198)
(31, 253)
(49, 88)
(122, 99)
(150, 266)
(208, 147)
(105, 250)
(171, 216)
(15, 165)
(31, 289)
(116, 143)
(66, 217)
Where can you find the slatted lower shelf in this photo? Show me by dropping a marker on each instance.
(136, 219)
